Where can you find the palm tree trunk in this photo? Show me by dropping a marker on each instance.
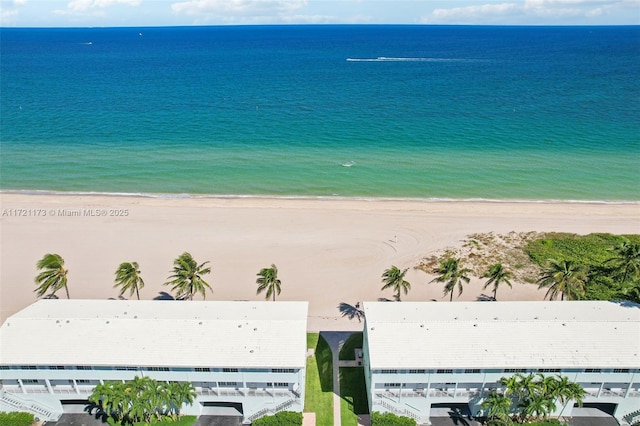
(137, 293)
(451, 296)
(495, 292)
(274, 296)
(67, 290)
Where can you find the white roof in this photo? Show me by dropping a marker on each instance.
(456, 335)
(157, 333)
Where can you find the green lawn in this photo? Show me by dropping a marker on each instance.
(353, 393)
(319, 389)
(348, 349)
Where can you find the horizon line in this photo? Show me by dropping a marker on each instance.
(2, 27)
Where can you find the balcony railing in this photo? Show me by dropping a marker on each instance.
(246, 392)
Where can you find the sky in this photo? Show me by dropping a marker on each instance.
(136, 13)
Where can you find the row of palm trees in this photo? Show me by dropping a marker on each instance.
(563, 278)
(141, 400)
(530, 398)
(186, 279)
(450, 272)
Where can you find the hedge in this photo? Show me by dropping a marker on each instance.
(16, 418)
(283, 418)
(390, 419)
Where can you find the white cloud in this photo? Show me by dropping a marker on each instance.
(470, 13)
(10, 10)
(85, 5)
(246, 11)
(529, 11)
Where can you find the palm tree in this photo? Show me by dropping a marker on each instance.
(187, 277)
(450, 273)
(498, 406)
(627, 259)
(179, 393)
(53, 276)
(564, 277)
(497, 275)
(128, 278)
(394, 278)
(537, 406)
(268, 280)
(566, 391)
(513, 385)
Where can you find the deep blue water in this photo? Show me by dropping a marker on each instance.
(536, 113)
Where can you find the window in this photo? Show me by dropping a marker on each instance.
(83, 367)
(157, 368)
(227, 384)
(515, 370)
(126, 368)
(56, 367)
(392, 385)
(592, 370)
(30, 381)
(283, 370)
(202, 369)
(229, 370)
(444, 371)
(4, 367)
(83, 382)
(472, 370)
(389, 371)
(417, 371)
(28, 367)
(548, 370)
(278, 384)
(620, 370)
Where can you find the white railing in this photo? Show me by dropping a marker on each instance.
(632, 417)
(267, 393)
(36, 408)
(402, 411)
(271, 411)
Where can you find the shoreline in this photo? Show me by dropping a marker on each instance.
(328, 251)
(182, 196)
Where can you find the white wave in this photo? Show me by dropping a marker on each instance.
(314, 197)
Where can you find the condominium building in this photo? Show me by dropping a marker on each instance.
(425, 356)
(248, 356)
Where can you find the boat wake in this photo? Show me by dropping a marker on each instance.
(410, 59)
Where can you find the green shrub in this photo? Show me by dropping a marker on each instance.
(594, 252)
(16, 418)
(390, 419)
(284, 418)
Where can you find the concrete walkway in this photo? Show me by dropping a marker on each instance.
(336, 340)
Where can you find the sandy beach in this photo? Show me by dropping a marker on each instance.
(328, 251)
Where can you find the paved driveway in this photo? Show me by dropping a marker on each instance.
(77, 420)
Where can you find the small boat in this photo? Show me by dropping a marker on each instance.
(348, 164)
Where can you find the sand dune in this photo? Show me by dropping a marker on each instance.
(327, 251)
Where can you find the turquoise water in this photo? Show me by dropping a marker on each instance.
(525, 113)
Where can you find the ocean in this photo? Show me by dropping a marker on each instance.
(411, 112)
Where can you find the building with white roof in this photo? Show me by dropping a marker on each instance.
(420, 356)
(247, 355)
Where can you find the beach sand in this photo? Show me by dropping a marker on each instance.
(328, 251)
